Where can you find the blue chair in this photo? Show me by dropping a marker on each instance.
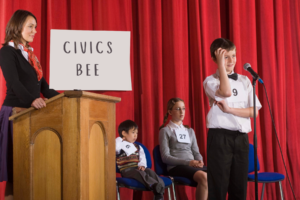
(136, 185)
(263, 177)
(161, 169)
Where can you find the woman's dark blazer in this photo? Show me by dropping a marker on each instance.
(22, 84)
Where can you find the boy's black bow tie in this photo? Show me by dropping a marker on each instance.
(233, 76)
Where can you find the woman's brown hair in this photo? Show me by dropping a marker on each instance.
(14, 27)
(170, 106)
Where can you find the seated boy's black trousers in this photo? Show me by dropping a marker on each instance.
(227, 164)
(147, 177)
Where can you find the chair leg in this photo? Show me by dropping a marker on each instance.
(173, 188)
(281, 192)
(118, 192)
(169, 194)
(174, 192)
(262, 192)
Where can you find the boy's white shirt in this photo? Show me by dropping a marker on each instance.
(216, 118)
(142, 159)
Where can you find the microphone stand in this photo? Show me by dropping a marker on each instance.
(255, 138)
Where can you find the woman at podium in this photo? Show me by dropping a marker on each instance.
(24, 81)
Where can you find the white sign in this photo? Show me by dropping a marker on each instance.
(238, 92)
(90, 60)
(183, 136)
(128, 147)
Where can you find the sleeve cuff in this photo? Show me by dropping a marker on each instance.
(142, 165)
(187, 162)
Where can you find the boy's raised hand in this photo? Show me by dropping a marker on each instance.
(141, 168)
(220, 56)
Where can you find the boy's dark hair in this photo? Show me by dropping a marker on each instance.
(126, 126)
(220, 43)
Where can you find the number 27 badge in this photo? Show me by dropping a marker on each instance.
(182, 136)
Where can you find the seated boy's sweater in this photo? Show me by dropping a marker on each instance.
(125, 162)
(136, 159)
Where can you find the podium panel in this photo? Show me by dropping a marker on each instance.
(96, 169)
(66, 150)
(46, 166)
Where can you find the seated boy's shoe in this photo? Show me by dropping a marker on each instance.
(159, 197)
(157, 188)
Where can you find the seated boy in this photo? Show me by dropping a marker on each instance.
(131, 159)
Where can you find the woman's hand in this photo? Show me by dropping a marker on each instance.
(38, 103)
(201, 163)
(223, 106)
(196, 163)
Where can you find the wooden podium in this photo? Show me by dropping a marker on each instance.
(66, 151)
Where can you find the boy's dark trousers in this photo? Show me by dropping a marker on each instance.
(147, 177)
(227, 164)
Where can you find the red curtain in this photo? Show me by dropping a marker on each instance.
(170, 57)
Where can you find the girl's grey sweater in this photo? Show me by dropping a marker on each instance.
(174, 153)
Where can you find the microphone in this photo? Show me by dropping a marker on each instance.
(248, 68)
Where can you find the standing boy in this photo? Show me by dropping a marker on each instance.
(131, 159)
(231, 100)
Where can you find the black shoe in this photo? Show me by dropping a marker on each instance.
(159, 197)
(157, 188)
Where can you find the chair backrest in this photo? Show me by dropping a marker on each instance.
(147, 154)
(160, 166)
(251, 159)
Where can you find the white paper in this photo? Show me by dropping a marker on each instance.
(182, 136)
(90, 60)
(238, 92)
(128, 147)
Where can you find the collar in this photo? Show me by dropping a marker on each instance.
(19, 46)
(232, 75)
(172, 125)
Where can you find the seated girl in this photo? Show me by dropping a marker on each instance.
(179, 149)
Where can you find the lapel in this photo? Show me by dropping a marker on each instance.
(26, 64)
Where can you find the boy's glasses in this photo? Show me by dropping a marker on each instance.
(179, 109)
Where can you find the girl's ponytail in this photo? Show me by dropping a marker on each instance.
(165, 120)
